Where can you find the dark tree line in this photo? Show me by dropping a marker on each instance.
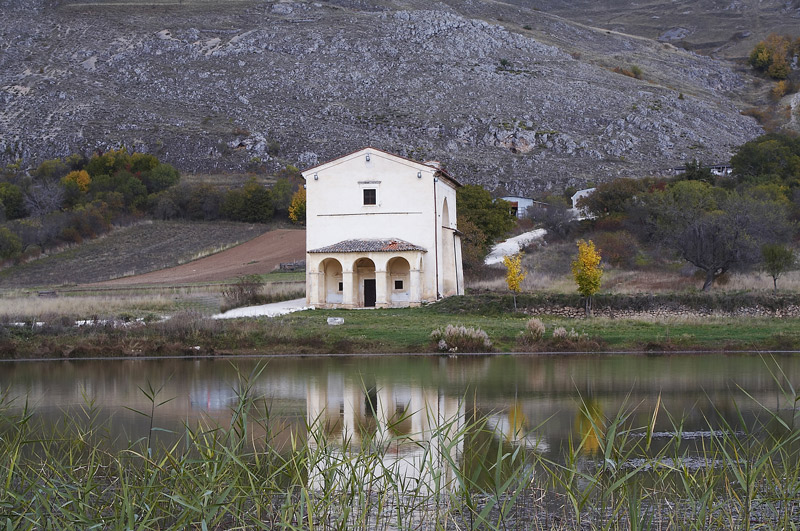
(66, 201)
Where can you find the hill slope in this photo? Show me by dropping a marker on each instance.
(143, 248)
(504, 95)
(255, 257)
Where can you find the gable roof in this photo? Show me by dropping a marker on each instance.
(369, 246)
(431, 165)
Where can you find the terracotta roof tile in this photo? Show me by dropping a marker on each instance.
(369, 246)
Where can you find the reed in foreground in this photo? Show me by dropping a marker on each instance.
(456, 473)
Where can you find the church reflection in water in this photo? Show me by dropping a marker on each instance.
(417, 434)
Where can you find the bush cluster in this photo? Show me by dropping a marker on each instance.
(460, 338)
(245, 291)
(533, 332)
(774, 54)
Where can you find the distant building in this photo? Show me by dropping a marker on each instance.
(580, 213)
(580, 194)
(380, 232)
(719, 170)
(519, 205)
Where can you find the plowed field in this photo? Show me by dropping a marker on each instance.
(257, 256)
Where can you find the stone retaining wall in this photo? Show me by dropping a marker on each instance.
(661, 312)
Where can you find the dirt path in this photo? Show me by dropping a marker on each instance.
(257, 256)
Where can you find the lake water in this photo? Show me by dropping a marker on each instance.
(539, 402)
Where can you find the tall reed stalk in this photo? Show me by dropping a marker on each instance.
(615, 474)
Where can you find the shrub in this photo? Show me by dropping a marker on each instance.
(635, 72)
(31, 252)
(780, 89)
(619, 248)
(205, 203)
(455, 338)
(10, 244)
(555, 216)
(282, 195)
(612, 197)
(560, 335)
(533, 333)
(132, 191)
(13, 200)
(245, 291)
(160, 178)
(252, 203)
(772, 56)
(71, 235)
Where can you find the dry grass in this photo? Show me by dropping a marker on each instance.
(138, 301)
(33, 307)
(628, 281)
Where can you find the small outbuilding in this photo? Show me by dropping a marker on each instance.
(519, 205)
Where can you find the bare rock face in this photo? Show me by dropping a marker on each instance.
(523, 106)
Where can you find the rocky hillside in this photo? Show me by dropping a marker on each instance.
(517, 99)
(720, 28)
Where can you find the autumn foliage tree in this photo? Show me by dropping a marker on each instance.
(587, 271)
(297, 208)
(772, 55)
(515, 274)
(81, 179)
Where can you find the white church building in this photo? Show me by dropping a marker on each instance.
(380, 232)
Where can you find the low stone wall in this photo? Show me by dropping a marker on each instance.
(665, 311)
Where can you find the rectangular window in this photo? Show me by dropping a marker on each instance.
(341, 286)
(398, 284)
(370, 196)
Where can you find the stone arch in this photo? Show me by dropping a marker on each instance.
(447, 245)
(364, 285)
(399, 271)
(332, 283)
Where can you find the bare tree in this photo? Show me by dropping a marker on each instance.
(44, 197)
(553, 214)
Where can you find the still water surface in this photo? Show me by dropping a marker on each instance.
(532, 401)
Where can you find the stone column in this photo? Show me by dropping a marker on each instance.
(383, 295)
(415, 289)
(348, 287)
(312, 285)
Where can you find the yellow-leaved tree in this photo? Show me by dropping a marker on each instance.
(514, 274)
(80, 178)
(297, 208)
(587, 272)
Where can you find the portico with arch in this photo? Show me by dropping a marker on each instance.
(366, 279)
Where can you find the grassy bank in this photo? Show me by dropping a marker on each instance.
(190, 332)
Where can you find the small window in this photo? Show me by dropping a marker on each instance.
(341, 286)
(398, 284)
(370, 196)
